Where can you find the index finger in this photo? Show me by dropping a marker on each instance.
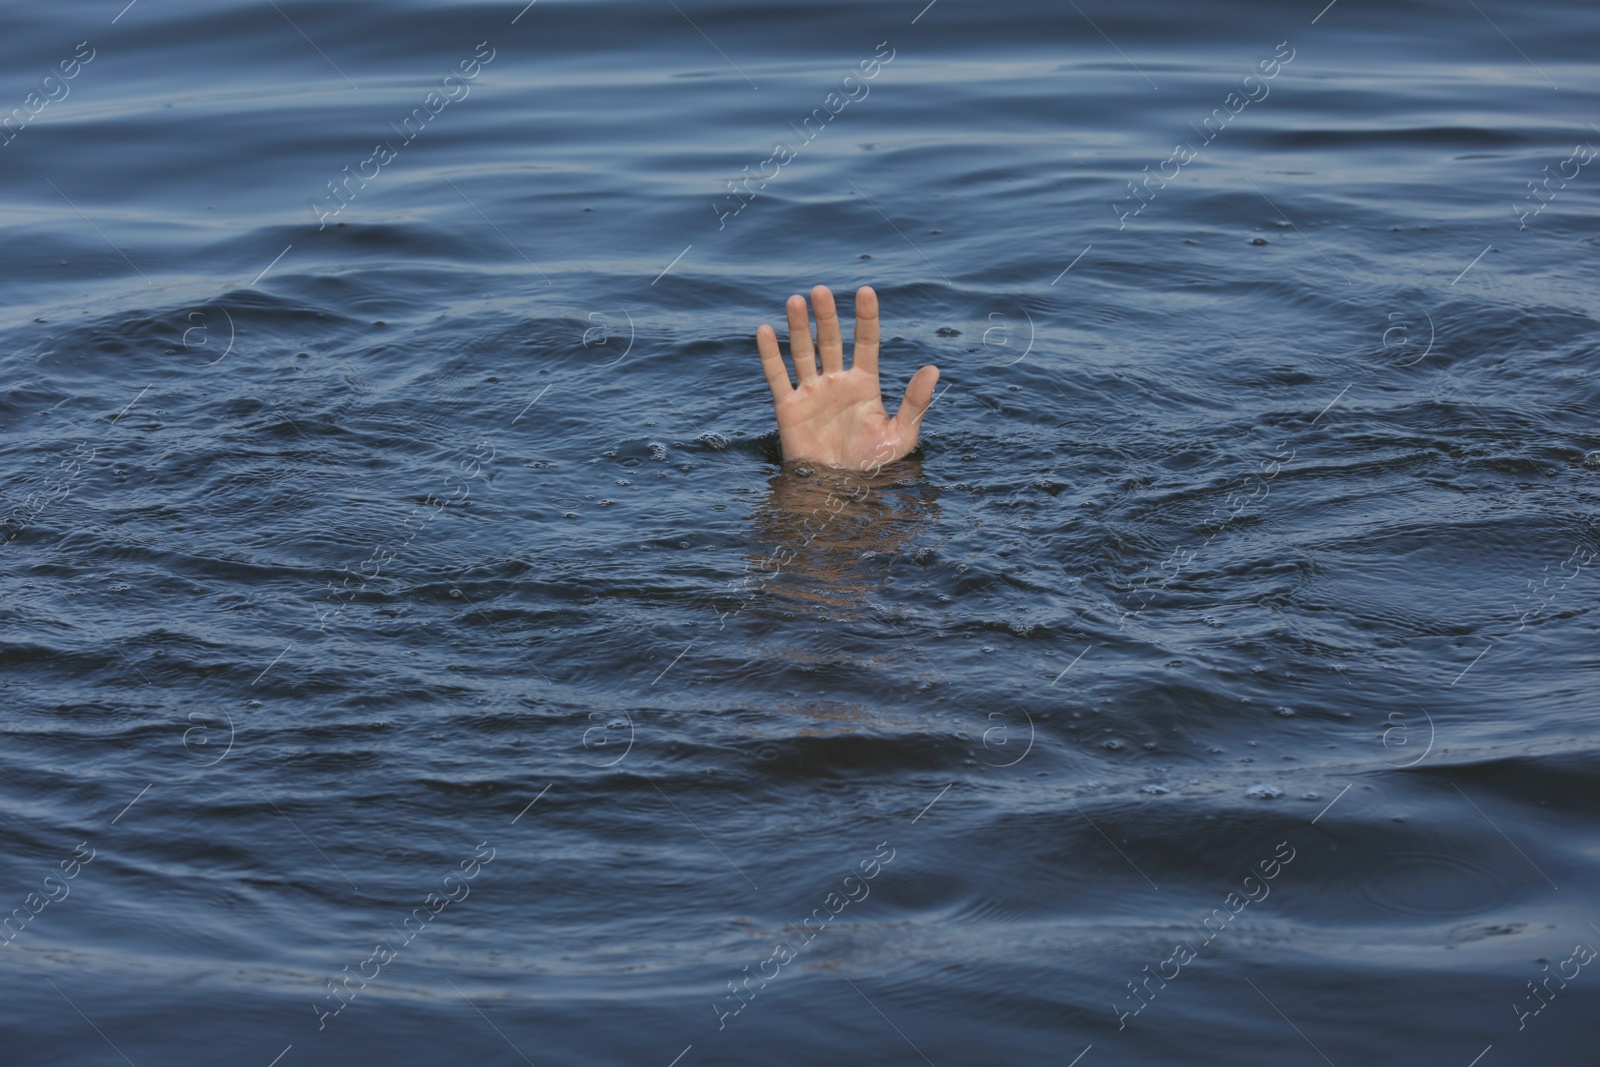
(866, 357)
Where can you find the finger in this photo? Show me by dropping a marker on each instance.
(829, 339)
(919, 394)
(805, 360)
(866, 357)
(772, 362)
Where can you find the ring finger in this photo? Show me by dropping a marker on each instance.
(800, 349)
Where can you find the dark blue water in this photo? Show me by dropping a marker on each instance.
(415, 653)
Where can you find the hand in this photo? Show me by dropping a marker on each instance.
(837, 417)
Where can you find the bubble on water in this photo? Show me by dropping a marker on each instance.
(1285, 712)
(1592, 461)
(1262, 791)
(1114, 745)
(1153, 790)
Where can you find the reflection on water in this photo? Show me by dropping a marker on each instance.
(824, 538)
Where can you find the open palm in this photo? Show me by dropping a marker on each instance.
(837, 416)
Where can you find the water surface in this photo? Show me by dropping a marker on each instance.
(408, 563)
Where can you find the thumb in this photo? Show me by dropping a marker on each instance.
(919, 394)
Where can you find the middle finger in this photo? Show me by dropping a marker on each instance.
(829, 338)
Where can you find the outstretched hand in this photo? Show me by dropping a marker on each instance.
(837, 417)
